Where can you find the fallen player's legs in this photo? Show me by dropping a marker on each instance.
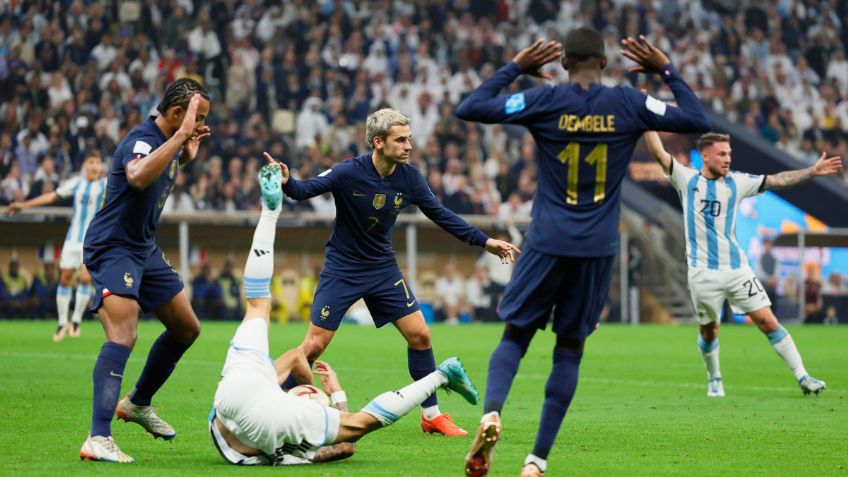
(389, 407)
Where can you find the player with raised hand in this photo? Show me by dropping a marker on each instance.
(585, 133)
(87, 191)
(130, 271)
(369, 192)
(718, 268)
(253, 421)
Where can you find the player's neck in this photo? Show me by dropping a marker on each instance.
(384, 166)
(585, 78)
(163, 125)
(705, 171)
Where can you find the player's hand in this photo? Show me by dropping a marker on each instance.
(13, 209)
(282, 167)
(505, 250)
(186, 129)
(329, 380)
(650, 58)
(193, 144)
(537, 55)
(826, 166)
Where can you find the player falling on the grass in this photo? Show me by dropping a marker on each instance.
(253, 421)
(130, 272)
(718, 267)
(87, 191)
(369, 192)
(586, 133)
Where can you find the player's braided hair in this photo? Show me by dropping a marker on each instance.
(711, 138)
(378, 123)
(179, 93)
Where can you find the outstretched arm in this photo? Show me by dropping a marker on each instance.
(826, 166)
(293, 362)
(43, 199)
(654, 143)
(305, 189)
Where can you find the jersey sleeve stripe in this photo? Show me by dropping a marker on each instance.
(84, 203)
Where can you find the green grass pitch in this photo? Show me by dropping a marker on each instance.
(640, 408)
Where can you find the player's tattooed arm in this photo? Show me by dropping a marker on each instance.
(654, 143)
(825, 166)
(339, 451)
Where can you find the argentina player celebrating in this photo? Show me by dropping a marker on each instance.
(86, 191)
(130, 271)
(718, 268)
(369, 192)
(585, 133)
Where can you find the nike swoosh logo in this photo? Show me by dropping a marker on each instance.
(112, 373)
(357, 194)
(411, 303)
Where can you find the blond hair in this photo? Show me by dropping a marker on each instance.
(379, 122)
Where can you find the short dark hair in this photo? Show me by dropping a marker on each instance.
(711, 138)
(92, 153)
(179, 93)
(584, 43)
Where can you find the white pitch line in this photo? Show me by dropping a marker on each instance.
(533, 377)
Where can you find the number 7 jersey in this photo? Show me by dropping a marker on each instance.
(709, 215)
(585, 138)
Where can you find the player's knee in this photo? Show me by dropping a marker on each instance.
(420, 339)
(188, 334)
(313, 347)
(122, 336)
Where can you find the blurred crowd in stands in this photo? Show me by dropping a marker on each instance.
(296, 78)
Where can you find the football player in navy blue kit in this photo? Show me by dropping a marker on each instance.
(130, 271)
(369, 192)
(585, 133)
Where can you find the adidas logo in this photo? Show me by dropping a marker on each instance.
(260, 253)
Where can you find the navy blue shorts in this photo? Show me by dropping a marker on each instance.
(150, 280)
(386, 294)
(573, 288)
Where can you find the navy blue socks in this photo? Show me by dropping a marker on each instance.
(559, 390)
(503, 365)
(108, 373)
(421, 363)
(161, 361)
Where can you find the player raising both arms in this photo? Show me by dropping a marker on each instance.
(369, 192)
(718, 268)
(87, 191)
(253, 421)
(130, 271)
(585, 134)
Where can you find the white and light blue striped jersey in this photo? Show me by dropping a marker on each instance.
(87, 197)
(709, 215)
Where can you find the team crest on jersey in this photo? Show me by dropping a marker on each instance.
(379, 201)
(325, 312)
(128, 280)
(398, 201)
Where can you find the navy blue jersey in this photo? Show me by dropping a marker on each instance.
(367, 206)
(127, 220)
(585, 139)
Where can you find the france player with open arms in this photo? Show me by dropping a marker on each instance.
(369, 192)
(586, 133)
(718, 268)
(253, 421)
(86, 190)
(130, 271)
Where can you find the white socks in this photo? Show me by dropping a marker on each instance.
(783, 343)
(709, 351)
(63, 303)
(542, 464)
(260, 259)
(391, 406)
(83, 295)
(431, 412)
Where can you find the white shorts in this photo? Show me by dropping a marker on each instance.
(71, 256)
(709, 288)
(258, 413)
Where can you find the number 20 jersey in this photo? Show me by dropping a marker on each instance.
(710, 207)
(585, 138)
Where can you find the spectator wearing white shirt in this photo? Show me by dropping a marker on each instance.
(451, 294)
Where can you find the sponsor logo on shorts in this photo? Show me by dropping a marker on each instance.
(411, 303)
